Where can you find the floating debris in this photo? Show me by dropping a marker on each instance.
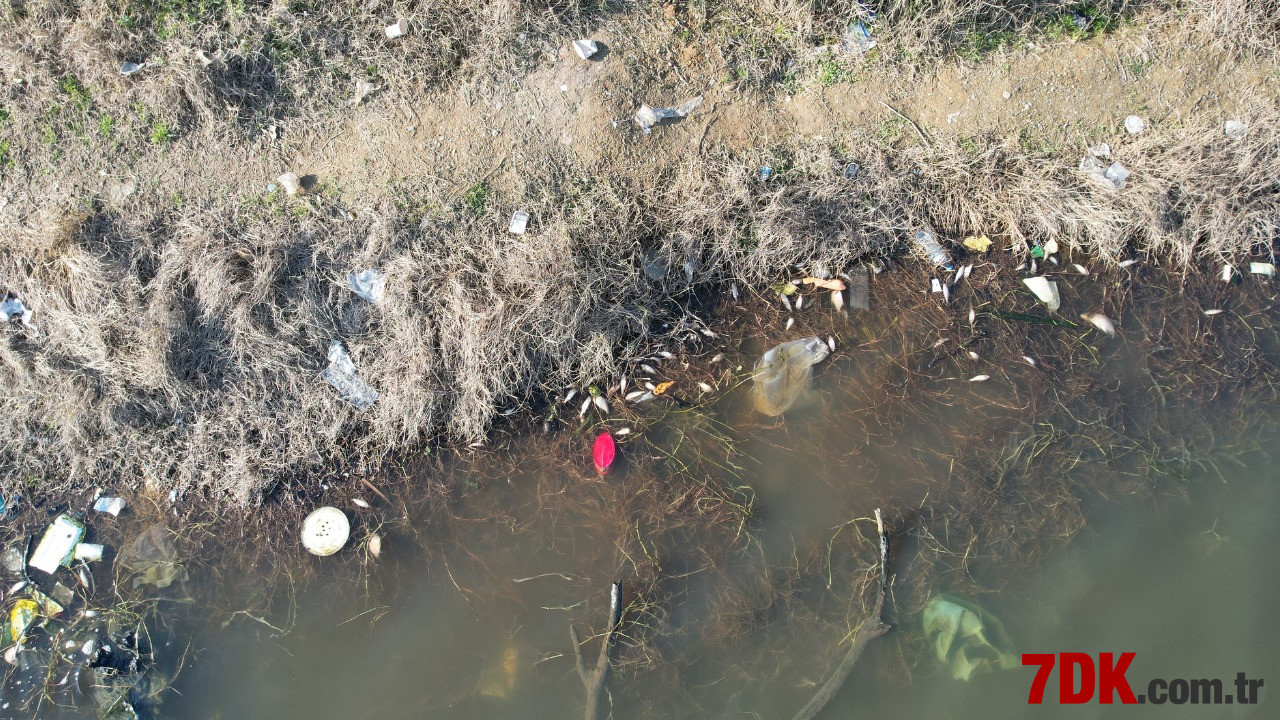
(646, 117)
(603, 453)
(88, 552)
(1045, 290)
(112, 505)
(369, 284)
(927, 243)
(57, 545)
(860, 288)
(783, 373)
(586, 49)
(325, 531)
(1100, 321)
(967, 638)
(980, 378)
(978, 243)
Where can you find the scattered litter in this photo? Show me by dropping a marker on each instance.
(1261, 268)
(1113, 175)
(936, 285)
(13, 310)
(325, 531)
(662, 387)
(130, 68)
(152, 556)
(1045, 290)
(1116, 174)
(1030, 360)
(21, 617)
(1234, 128)
(648, 116)
(369, 284)
(979, 243)
(1100, 150)
(1134, 125)
(1037, 252)
(360, 503)
(765, 172)
(111, 505)
(88, 552)
(1102, 322)
(860, 288)
(704, 387)
(603, 453)
(980, 378)
(1128, 263)
(1211, 313)
(857, 38)
(783, 373)
(14, 559)
(58, 544)
(397, 29)
(851, 171)
(1080, 268)
(586, 48)
(825, 284)
(519, 222)
(364, 89)
(927, 243)
(1227, 272)
(966, 637)
(290, 182)
(341, 374)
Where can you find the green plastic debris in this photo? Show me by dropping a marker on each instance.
(966, 637)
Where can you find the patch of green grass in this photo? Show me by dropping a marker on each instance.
(970, 145)
(49, 135)
(978, 44)
(6, 160)
(162, 133)
(1081, 21)
(476, 199)
(4, 117)
(76, 93)
(1033, 144)
(833, 72)
(106, 126)
(891, 129)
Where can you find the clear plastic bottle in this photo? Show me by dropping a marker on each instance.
(928, 244)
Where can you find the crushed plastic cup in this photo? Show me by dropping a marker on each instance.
(325, 531)
(341, 374)
(586, 48)
(1045, 290)
(58, 544)
(647, 117)
(1116, 174)
(112, 505)
(12, 309)
(519, 222)
(397, 29)
(290, 182)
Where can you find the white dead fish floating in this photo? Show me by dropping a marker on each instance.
(601, 404)
(785, 301)
(790, 323)
(704, 387)
(666, 355)
(631, 396)
(648, 369)
(973, 355)
(586, 405)
(718, 358)
(623, 431)
(1215, 311)
(1100, 321)
(646, 117)
(980, 378)
(1030, 360)
(359, 502)
(733, 290)
(837, 299)
(569, 397)
(799, 302)
(1081, 269)
(1045, 290)
(972, 316)
(1128, 263)
(831, 342)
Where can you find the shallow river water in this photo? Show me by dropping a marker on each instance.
(466, 614)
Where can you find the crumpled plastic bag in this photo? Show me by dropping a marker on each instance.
(967, 638)
(783, 373)
(370, 284)
(341, 374)
(153, 557)
(647, 116)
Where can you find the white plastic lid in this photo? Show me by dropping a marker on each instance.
(325, 531)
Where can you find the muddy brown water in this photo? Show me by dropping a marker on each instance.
(466, 614)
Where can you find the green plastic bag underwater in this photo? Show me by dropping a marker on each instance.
(966, 638)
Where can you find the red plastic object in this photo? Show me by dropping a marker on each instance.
(604, 452)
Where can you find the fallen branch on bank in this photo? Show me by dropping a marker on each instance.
(871, 628)
(594, 680)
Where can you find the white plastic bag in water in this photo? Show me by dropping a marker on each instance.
(341, 374)
(783, 373)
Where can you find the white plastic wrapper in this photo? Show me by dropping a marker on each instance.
(341, 374)
(370, 284)
(647, 117)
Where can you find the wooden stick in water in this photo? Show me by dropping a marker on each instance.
(594, 680)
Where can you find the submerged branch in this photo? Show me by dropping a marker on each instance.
(871, 628)
(594, 680)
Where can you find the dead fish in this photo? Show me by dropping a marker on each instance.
(634, 394)
(649, 369)
(1030, 360)
(786, 303)
(704, 387)
(799, 301)
(708, 333)
(837, 299)
(623, 431)
(1080, 269)
(733, 290)
(622, 385)
(1213, 312)
(650, 386)
(586, 405)
(980, 378)
(790, 322)
(375, 545)
(1128, 263)
(1021, 267)
(359, 502)
(569, 397)
(972, 316)
(666, 355)
(946, 294)
(1100, 321)
(718, 358)
(973, 355)
(940, 343)
(831, 342)
(601, 403)
(1053, 260)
